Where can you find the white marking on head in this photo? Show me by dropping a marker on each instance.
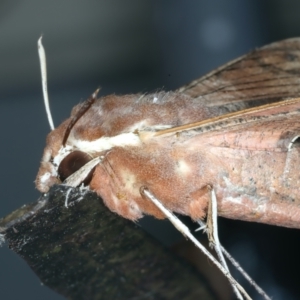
(62, 153)
(45, 177)
(106, 143)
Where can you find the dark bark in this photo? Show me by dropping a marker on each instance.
(87, 252)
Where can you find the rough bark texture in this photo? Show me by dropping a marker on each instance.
(86, 252)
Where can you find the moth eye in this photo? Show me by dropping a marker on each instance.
(72, 163)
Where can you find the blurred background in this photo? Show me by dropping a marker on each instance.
(127, 47)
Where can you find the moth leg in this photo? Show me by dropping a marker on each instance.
(186, 232)
(211, 229)
(77, 177)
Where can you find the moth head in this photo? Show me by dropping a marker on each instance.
(61, 160)
(51, 173)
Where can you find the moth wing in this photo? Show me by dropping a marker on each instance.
(271, 132)
(265, 75)
(269, 127)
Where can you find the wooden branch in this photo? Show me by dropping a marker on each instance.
(86, 252)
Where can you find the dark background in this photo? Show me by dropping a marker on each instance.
(127, 47)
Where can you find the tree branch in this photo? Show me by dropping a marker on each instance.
(87, 252)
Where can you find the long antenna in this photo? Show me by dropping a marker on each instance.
(84, 107)
(42, 56)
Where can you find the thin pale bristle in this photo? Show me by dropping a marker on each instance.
(42, 56)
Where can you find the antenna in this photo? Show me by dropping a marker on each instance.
(42, 56)
(84, 107)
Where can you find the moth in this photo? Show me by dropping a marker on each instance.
(227, 144)
(235, 130)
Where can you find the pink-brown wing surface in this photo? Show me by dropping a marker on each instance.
(254, 161)
(265, 75)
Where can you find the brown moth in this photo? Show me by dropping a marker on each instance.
(235, 130)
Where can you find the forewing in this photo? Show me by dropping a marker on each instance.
(266, 75)
(272, 127)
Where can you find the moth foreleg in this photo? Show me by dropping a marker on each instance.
(78, 177)
(211, 228)
(186, 232)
